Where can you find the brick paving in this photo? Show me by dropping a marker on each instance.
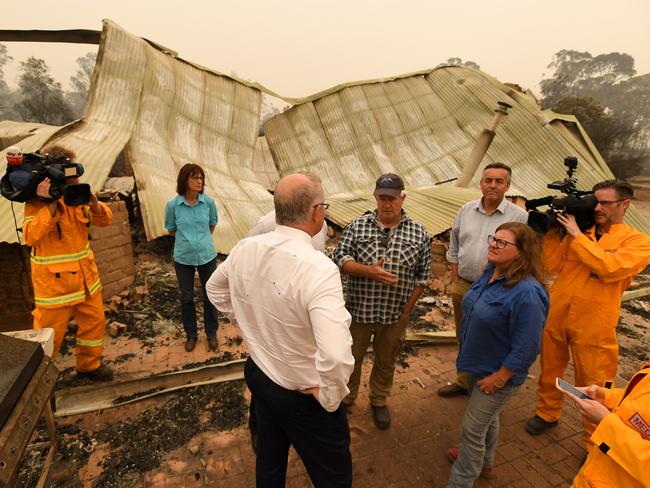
(412, 453)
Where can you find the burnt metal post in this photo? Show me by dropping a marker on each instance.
(482, 145)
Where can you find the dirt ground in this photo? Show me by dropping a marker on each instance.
(131, 445)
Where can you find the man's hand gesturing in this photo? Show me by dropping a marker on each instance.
(378, 273)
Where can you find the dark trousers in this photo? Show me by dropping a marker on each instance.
(290, 418)
(185, 276)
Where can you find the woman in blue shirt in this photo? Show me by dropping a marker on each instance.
(191, 217)
(503, 316)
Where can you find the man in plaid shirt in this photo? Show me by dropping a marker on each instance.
(388, 259)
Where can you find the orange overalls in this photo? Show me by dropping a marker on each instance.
(621, 457)
(585, 305)
(65, 277)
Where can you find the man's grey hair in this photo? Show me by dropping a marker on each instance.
(296, 207)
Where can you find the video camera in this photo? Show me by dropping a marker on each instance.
(580, 204)
(26, 171)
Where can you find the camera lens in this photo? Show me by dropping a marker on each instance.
(76, 194)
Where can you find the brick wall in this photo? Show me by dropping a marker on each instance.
(440, 271)
(114, 251)
(16, 296)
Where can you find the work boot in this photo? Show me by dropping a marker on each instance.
(452, 390)
(381, 416)
(487, 472)
(103, 373)
(212, 343)
(190, 344)
(537, 425)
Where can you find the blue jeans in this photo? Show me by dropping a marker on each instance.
(185, 276)
(479, 433)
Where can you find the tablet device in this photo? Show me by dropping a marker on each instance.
(563, 385)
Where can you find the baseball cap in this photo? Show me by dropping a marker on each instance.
(389, 184)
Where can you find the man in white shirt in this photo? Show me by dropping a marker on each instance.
(266, 223)
(287, 299)
(467, 254)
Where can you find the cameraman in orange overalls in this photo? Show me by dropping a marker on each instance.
(592, 271)
(64, 274)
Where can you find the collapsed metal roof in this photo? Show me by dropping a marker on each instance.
(163, 112)
(423, 127)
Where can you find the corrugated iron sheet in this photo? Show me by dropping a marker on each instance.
(13, 132)
(423, 127)
(263, 165)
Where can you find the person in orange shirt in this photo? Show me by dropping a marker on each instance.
(64, 274)
(622, 434)
(592, 270)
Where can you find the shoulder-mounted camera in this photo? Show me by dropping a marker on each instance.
(26, 171)
(580, 204)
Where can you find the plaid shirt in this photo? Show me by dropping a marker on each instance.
(407, 253)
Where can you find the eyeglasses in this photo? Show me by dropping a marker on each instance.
(197, 177)
(609, 203)
(322, 204)
(500, 243)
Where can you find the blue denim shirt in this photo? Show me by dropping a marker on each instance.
(193, 244)
(502, 326)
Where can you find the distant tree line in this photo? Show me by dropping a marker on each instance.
(39, 97)
(459, 62)
(609, 99)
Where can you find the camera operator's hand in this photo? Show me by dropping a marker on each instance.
(43, 191)
(568, 221)
(95, 207)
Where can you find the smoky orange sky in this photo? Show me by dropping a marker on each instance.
(299, 47)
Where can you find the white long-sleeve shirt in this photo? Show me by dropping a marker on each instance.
(288, 301)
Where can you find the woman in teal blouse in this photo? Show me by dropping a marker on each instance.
(191, 217)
